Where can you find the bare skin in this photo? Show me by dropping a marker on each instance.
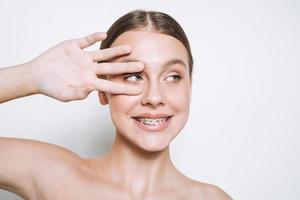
(136, 167)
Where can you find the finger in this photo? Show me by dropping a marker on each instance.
(90, 39)
(119, 68)
(109, 53)
(117, 88)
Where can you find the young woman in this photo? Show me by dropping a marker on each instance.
(144, 72)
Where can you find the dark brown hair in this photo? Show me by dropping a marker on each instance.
(156, 21)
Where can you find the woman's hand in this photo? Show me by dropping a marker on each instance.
(66, 72)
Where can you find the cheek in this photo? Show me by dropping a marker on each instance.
(178, 97)
(121, 104)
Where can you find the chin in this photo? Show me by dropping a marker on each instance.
(153, 147)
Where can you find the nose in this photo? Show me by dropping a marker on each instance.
(152, 95)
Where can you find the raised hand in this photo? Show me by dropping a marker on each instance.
(66, 72)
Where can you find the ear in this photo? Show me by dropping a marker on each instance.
(102, 98)
(191, 84)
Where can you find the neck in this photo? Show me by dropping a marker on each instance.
(140, 172)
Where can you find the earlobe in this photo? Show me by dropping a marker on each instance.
(102, 98)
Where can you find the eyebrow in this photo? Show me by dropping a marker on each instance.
(169, 63)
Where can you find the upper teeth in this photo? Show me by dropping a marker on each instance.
(152, 121)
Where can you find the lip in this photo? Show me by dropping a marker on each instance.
(153, 116)
(153, 128)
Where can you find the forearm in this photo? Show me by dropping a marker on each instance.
(16, 82)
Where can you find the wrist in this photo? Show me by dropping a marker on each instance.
(30, 80)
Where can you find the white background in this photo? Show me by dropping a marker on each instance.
(243, 130)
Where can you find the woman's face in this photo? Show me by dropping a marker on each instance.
(152, 119)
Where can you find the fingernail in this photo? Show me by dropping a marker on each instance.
(140, 65)
(136, 90)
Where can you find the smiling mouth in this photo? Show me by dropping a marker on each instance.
(152, 121)
(152, 125)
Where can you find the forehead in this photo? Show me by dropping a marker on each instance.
(152, 47)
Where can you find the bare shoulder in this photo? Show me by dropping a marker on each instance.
(26, 162)
(207, 191)
(36, 156)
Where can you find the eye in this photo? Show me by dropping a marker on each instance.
(174, 78)
(133, 77)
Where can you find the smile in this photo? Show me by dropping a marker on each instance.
(152, 124)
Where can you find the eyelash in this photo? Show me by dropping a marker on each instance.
(136, 75)
(177, 77)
